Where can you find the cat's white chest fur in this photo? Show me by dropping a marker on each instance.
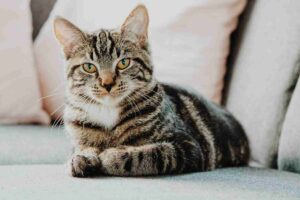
(103, 114)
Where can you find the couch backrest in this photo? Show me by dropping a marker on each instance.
(264, 75)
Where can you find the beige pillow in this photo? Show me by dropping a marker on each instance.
(19, 91)
(189, 40)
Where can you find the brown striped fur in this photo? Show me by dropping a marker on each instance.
(138, 126)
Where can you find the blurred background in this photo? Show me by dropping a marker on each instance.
(241, 54)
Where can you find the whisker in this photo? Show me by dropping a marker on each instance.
(56, 110)
(48, 96)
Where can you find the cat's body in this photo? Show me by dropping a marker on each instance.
(125, 123)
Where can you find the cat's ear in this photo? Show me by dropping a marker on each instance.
(68, 35)
(136, 24)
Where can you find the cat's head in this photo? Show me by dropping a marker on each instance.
(107, 65)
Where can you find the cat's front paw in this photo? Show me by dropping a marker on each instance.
(116, 161)
(85, 166)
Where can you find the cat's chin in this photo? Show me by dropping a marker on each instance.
(109, 100)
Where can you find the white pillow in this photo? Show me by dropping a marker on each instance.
(189, 41)
(19, 91)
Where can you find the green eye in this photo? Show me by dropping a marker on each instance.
(89, 68)
(124, 63)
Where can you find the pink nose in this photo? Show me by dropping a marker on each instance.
(107, 80)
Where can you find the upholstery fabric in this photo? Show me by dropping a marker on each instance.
(33, 145)
(34, 182)
(263, 75)
(172, 33)
(18, 77)
(289, 146)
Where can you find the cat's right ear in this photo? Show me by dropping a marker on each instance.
(68, 35)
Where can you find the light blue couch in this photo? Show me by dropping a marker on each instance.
(33, 157)
(262, 90)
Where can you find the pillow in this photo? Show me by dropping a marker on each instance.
(20, 100)
(264, 76)
(189, 41)
(289, 152)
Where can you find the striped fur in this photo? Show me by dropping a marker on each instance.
(142, 127)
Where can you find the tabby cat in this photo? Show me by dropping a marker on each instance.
(124, 122)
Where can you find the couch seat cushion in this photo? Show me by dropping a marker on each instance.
(35, 182)
(29, 144)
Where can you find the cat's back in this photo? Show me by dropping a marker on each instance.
(189, 98)
(191, 105)
(217, 124)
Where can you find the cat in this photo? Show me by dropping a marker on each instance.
(124, 122)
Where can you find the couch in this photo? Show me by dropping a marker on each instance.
(262, 90)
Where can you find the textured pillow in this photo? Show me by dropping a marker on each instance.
(189, 40)
(19, 91)
(264, 75)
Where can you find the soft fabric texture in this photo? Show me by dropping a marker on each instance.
(20, 96)
(190, 42)
(19, 182)
(33, 145)
(289, 146)
(51, 182)
(264, 74)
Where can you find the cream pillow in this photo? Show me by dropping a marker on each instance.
(189, 41)
(19, 91)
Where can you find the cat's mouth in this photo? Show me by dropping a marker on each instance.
(109, 98)
(105, 93)
(105, 97)
(112, 96)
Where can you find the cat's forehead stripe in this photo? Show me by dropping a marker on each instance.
(95, 52)
(102, 42)
(102, 45)
(112, 44)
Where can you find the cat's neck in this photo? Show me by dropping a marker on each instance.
(102, 114)
(99, 114)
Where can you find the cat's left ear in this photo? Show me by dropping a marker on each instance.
(136, 25)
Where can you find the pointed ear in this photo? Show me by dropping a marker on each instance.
(68, 35)
(136, 24)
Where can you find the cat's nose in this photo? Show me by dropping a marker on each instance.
(107, 80)
(108, 87)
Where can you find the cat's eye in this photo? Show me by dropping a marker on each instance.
(89, 68)
(124, 63)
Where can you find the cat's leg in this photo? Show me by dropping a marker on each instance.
(151, 159)
(84, 162)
